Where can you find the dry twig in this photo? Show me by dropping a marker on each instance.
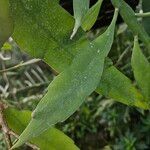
(4, 127)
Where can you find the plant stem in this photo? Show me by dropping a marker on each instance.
(147, 14)
(4, 127)
(7, 132)
(20, 65)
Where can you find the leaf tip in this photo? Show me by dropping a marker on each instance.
(75, 29)
(73, 33)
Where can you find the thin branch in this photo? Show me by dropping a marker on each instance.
(5, 128)
(122, 55)
(147, 14)
(31, 98)
(140, 10)
(20, 65)
(7, 132)
(4, 58)
(34, 147)
(29, 87)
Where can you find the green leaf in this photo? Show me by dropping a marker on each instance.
(6, 47)
(51, 139)
(70, 88)
(117, 86)
(80, 8)
(141, 69)
(130, 19)
(29, 36)
(6, 25)
(91, 16)
(42, 29)
(146, 20)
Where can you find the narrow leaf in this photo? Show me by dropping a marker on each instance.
(70, 88)
(141, 69)
(130, 19)
(80, 8)
(91, 16)
(117, 86)
(6, 25)
(51, 139)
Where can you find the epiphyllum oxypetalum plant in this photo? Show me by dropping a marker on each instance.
(43, 30)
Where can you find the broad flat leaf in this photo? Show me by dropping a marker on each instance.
(141, 69)
(6, 25)
(91, 16)
(42, 29)
(117, 86)
(51, 139)
(146, 20)
(70, 88)
(80, 8)
(130, 19)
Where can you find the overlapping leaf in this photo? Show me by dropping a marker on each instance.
(52, 139)
(129, 17)
(84, 16)
(141, 69)
(70, 88)
(35, 23)
(43, 29)
(80, 9)
(34, 37)
(91, 16)
(117, 86)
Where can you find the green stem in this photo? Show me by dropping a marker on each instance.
(147, 14)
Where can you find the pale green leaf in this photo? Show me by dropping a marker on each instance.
(80, 8)
(141, 69)
(6, 25)
(70, 88)
(51, 139)
(91, 16)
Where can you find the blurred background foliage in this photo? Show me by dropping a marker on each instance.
(100, 123)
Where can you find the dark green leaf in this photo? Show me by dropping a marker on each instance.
(51, 139)
(141, 69)
(70, 88)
